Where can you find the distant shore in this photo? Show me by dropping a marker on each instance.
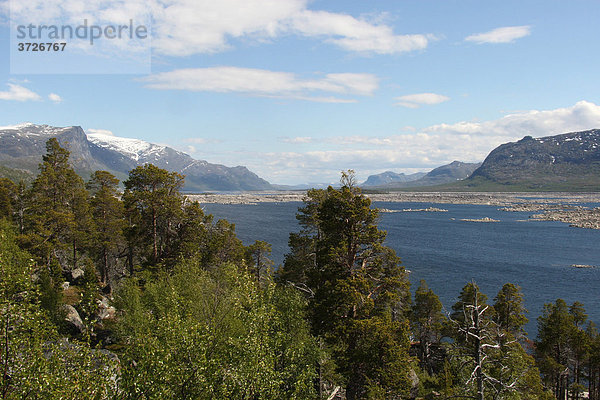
(571, 208)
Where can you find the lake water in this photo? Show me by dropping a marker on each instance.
(448, 253)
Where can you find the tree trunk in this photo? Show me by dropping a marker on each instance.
(154, 235)
(130, 260)
(74, 254)
(478, 351)
(104, 265)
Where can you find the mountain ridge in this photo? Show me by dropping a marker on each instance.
(444, 174)
(391, 177)
(21, 147)
(559, 162)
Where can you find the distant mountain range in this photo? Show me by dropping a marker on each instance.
(22, 147)
(449, 173)
(566, 162)
(389, 177)
(570, 161)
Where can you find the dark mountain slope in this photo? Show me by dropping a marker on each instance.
(22, 147)
(570, 161)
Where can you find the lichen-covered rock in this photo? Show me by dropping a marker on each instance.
(72, 317)
(105, 310)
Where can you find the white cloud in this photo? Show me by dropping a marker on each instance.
(106, 132)
(581, 116)
(423, 149)
(505, 34)
(419, 99)
(354, 34)
(19, 93)
(102, 13)
(186, 27)
(54, 97)
(259, 82)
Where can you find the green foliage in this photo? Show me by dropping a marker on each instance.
(107, 211)
(221, 245)
(358, 292)
(565, 349)
(427, 321)
(34, 362)
(510, 312)
(8, 198)
(375, 361)
(204, 335)
(15, 175)
(257, 255)
(486, 358)
(153, 205)
(57, 223)
(87, 305)
(50, 296)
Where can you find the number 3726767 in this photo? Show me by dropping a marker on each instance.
(25, 46)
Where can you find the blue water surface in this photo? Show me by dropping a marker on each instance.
(448, 253)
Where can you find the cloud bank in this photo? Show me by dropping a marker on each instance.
(421, 150)
(260, 82)
(187, 27)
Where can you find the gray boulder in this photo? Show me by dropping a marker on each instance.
(73, 318)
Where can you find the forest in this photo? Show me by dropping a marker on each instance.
(133, 292)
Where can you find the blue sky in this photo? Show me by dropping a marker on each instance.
(298, 90)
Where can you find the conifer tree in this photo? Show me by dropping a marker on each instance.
(357, 290)
(57, 217)
(8, 198)
(109, 222)
(555, 327)
(510, 312)
(153, 203)
(488, 359)
(427, 321)
(257, 256)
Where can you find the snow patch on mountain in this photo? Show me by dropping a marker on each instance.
(133, 148)
(30, 129)
(16, 127)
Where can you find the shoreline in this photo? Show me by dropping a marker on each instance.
(504, 199)
(568, 208)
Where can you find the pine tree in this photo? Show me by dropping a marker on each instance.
(580, 343)
(427, 321)
(486, 355)
(593, 362)
(257, 256)
(357, 290)
(153, 204)
(57, 216)
(109, 222)
(510, 312)
(555, 327)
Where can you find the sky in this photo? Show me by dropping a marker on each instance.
(299, 90)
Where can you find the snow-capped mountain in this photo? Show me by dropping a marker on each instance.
(21, 147)
(134, 148)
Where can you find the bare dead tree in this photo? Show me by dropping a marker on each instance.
(487, 348)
